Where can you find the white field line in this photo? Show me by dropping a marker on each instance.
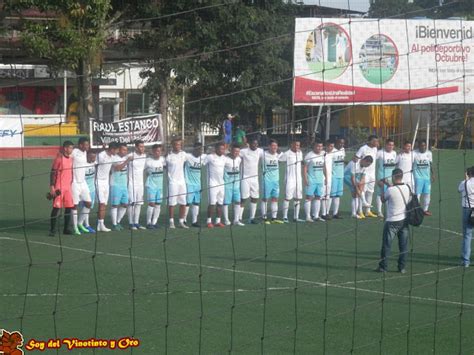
(210, 267)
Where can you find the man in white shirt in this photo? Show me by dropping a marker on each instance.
(215, 174)
(405, 163)
(369, 149)
(80, 190)
(136, 169)
(232, 180)
(294, 182)
(105, 160)
(466, 188)
(396, 197)
(249, 186)
(386, 162)
(176, 182)
(423, 174)
(337, 184)
(326, 198)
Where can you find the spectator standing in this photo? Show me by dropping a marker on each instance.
(227, 130)
(240, 136)
(396, 197)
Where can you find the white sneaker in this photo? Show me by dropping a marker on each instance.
(183, 225)
(319, 219)
(309, 220)
(103, 228)
(380, 215)
(227, 223)
(238, 223)
(172, 225)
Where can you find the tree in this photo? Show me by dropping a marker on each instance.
(428, 8)
(72, 38)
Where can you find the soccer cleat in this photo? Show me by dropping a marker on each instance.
(299, 220)
(132, 227)
(116, 228)
(402, 271)
(427, 213)
(196, 225)
(266, 221)
(238, 223)
(380, 269)
(319, 219)
(227, 223)
(139, 226)
(254, 221)
(220, 225)
(183, 225)
(380, 215)
(309, 220)
(82, 229)
(210, 225)
(278, 221)
(361, 216)
(150, 226)
(171, 226)
(327, 217)
(370, 214)
(336, 216)
(103, 228)
(285, 220)
(120, 227)
(76, 231)
(90, 229)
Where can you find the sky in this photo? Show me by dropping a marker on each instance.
(357, 5)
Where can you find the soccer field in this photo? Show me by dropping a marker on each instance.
(304, 288)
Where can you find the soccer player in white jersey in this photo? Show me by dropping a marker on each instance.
(405, 163)
(215, 175)
(423, 173)
(369, 149)
(354, 178)
(337, 185)
(79, 189)
(314, 177)
(104, 165)
(326, 198)
(192, 173)
(294, 183)
(271, 182)
(136, 188)
(154, 169)
(386, 163)
(232, 186)
(90, 181)
(176, 182)
(119, 197)
(249, 186)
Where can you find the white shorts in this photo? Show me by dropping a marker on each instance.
(216, 195)
(249, 188)
(294, 190)
(408, 180)
(369, 183)
(176, 194)
(102, 188)
(135, 194)
(80, 192)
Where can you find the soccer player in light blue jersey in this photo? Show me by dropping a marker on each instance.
(119, 186)
(91, 182)
(337, 185)
(192, 174)
(424, 174)
(271, 181)
(154, 170)
(386, 163)
(232, 178)
(314, 179)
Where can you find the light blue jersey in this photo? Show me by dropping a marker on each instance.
(120, 177)
(90, 178)
(315, 167)
(386, 163)
(339, 156)
(154, 169)
(270, 167)
(422, 165)
(193, 168)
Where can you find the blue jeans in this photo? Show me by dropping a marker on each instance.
(390, 230)
(466, 237)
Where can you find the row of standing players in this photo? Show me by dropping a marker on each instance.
(80, 177)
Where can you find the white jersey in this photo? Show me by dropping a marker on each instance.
(250, 161)
(405, 162)
(364, 151)
(293, 165)
(79, 165)
(104, 164)
(215, 169)
(328, 160)
(136, 167)
(175, 164)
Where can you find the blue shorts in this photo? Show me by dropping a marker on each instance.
(349, 183)
(228, 139)
(118, 195)
(232, 193)
(153, 195)
(337, 187)
(422, 186)
(271, 189)
(314, 189)
(193, 195)
(378, 190)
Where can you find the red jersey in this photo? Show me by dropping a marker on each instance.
(61, 173)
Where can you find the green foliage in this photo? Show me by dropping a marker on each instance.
(427, 8)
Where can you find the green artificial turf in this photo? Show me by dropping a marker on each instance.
(304, 288)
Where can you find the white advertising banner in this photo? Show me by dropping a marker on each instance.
(11, 133)
(373, 61)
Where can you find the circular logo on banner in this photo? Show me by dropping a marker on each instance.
(328, 51)
(378, 59)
